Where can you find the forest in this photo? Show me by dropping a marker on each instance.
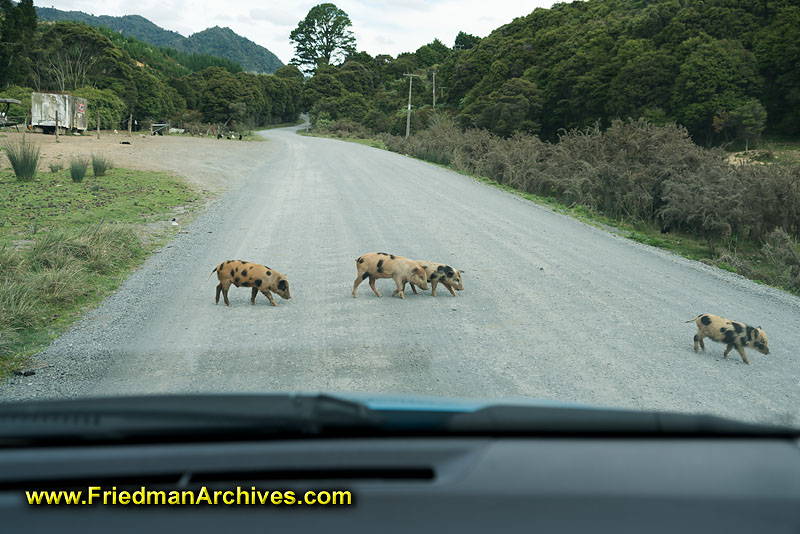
(723, 69)
(122, 77)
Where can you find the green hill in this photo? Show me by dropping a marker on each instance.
(216, 41)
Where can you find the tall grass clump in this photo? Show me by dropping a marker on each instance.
(24, 158)
(100, 165)
(103, 249)
(18, 300)
(58, 272)
(77, 169)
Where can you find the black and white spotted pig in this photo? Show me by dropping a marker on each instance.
(735, 335)
(439, 272)
(382, 265)
(245, 274)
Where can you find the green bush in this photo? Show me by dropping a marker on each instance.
(24, 158)
(55, 167)
(106, 104)
(100, 165)
(77, 169)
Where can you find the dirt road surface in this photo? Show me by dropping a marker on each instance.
(552, 308)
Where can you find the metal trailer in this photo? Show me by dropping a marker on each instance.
(72, 112)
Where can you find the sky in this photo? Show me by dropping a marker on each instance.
(380, 27)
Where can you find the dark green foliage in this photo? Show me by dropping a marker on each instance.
(322, 38)
(17, 27)
(465, 41)
(225, 43)
(103, 103)
(23, 94)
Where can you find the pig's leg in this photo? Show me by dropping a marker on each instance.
(253, 296)
(401, 284)
(219, 289)
(698, 338)
(449, 288)
(742, 354)
(434, 283)
(360, 278)
(269, 297)
(413, 288)
(395, 292)
(225, 288)
(727, 350)
(372, 285)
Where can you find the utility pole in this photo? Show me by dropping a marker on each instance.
(408, 116)
(434, 89)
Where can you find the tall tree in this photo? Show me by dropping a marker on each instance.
(323, 37)
(17, 26)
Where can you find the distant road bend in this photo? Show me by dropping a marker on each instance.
(552, 308)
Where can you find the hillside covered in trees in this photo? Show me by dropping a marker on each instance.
(216, 41)
(122, 77)
(721, 68)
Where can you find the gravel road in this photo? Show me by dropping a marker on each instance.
(552, 308)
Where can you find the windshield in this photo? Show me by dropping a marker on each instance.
(572, 203)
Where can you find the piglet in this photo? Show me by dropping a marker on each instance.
(735, 335)
(246, 274)
(382, 265)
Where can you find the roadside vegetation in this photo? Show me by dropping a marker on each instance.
(648, 183)
(65, 244)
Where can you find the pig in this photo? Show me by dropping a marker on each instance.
(382, 265)
(246, 274)
(735, 335)
(439, 272)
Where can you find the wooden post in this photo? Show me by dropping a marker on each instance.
(56, 126)
(98, 124)
(130, 123)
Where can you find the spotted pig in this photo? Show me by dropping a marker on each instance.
(382, 265)
(246, 274)
(735, 335)
(439, 272)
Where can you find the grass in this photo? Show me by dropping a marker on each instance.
(123, 196)
(24, 158)
(77, 169)
(100, 165)
(57, 255)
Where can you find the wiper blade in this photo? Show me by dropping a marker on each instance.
(131, 418)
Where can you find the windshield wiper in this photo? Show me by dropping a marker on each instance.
(182, 417)
(283, 416)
